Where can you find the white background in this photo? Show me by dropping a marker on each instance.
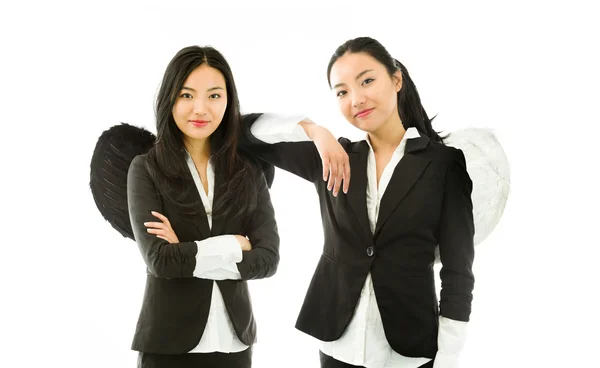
(72, 287)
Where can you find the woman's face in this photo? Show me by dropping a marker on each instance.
(201, 103)
(366, 94)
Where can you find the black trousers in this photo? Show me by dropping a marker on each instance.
(329, 362)
(243, 359)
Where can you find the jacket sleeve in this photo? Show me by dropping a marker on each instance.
(456, 241)
(300, 157)
(263, 259)
(162, 258)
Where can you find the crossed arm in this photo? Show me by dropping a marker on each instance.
(221, 257)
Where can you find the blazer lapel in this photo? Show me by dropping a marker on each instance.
(357, 193)
(201, 222)
(406, 173)
(199, 219)
(218, 222)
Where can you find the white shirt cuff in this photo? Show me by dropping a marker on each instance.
(452, 335)
(275, 128)
(445, 360)
(217, 257)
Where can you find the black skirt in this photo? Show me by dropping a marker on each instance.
(242, 359)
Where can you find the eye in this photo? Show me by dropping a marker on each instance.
(214, 95)
(340, 93)
(368, 81)
(186, 95)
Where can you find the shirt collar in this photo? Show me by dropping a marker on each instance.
(189, 159)
(411, 133)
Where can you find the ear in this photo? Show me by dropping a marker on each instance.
(397, 78)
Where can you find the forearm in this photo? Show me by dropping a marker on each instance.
(162, 258)
(262, 261)
(258, 263)
(277, 128)
(281, 142)
(456, 242)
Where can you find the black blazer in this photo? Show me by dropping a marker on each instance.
(426, 203)
(176, 304)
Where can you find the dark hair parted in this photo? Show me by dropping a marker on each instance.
(167, 159)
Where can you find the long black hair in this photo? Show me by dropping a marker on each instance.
(412, 113)
(167, 159)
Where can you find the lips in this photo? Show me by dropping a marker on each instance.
(363, 113)
(199, 123)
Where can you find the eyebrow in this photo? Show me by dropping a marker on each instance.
(357, 77)
(208, 90)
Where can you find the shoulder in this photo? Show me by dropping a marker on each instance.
(139, 168)
(352, 146)
(447, 154)
(259, 169)
(453, 162)
(139, 162)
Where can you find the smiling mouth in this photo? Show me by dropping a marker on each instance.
(363, 113)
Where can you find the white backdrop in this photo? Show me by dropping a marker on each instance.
(73, 287)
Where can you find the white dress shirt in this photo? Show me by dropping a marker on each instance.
(363, 343)
(216, 260)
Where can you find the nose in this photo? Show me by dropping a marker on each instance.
(358, 99)
(199, 108)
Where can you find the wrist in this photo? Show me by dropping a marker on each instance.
(309, 127)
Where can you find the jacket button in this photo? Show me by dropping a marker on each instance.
(370, 251)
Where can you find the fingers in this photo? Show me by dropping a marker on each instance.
(157, 225)
(165, 235)
(161, 218)
(335, 160)
(325, 169)
(338, 178)
(333, 172)
(161, 232)
(247, 245)
(337, 172)
(162, 229)
(244, 242)
(346, 175)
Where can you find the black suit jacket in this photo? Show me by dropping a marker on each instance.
(176, 304)
(426, 203)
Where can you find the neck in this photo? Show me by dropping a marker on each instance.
(199, 149)
(388, 136)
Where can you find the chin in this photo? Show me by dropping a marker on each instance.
(197, 135)
(365, 126)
